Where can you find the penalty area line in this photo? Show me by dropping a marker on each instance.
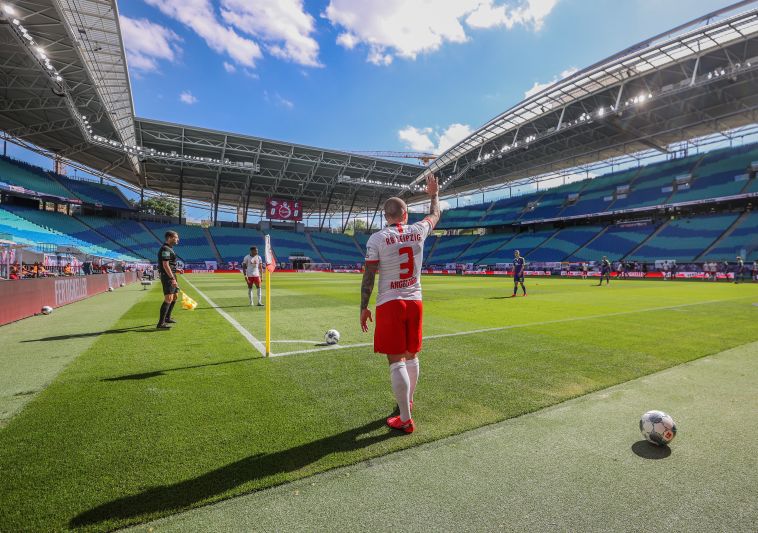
(512, 326)
(258, 345)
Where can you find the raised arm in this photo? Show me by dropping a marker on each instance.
(432, 189)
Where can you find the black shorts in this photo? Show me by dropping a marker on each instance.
(518, 278)
(168, 288)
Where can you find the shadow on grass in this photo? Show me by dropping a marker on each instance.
(156, 373)
(647, 450)
(188, 493)
(500, 297)
(133, 329)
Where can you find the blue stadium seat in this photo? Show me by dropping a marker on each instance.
(742, 240)
(685, 238)
(564, 244)
(616, 243)
(95, 193)
(233, 244)
(524, 242)
(193, 245)
(337, 248)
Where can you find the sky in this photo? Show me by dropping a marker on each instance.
(416, 75)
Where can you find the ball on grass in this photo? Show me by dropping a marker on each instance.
(658, 427)
(46, 310)
(332, 336)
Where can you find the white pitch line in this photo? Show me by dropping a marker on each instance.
(513, 326)
(258, 345)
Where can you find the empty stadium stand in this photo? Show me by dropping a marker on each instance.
(524, 242)
(564, 243)
(337, 248)
(615, 242)
(194, 245)
(234, 244)
(684, 239)
(35, 227)
(130, 234)
(741, 239)
(448, 249)
(32, 178)
(95, 193)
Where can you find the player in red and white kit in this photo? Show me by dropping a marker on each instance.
(396, 253)
(251, 269)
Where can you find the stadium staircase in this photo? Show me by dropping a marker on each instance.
(649, 238)
(724, 236)
(313, 245)
(428, 251)
(122, 244)
(212, 245)
(589, 242)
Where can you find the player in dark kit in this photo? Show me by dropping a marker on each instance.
(519, 265)
(167, 269)
(605, 271)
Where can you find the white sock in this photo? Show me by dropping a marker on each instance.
(411, 365)
(250, 295)
(401, 388)
(259, 295)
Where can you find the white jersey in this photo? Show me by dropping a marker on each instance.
(399, 250)
(252, 266)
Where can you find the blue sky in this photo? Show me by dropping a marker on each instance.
(367, 74)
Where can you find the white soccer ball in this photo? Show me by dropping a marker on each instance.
(658, 427)
(46, 310)
(110, 289)
(122, 284)
(332, 336)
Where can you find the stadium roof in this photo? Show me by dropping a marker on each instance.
(692, 81)
(66, 89)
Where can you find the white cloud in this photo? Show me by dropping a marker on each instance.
(417, 139)
(284, 26)
(200, 16)
(527, 13)
(399, 28)
(538, 87)
(432, 141)
(188, 98)
(146, 43)
(231, 69)
(278, 100)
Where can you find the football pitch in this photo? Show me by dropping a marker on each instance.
(144, 423)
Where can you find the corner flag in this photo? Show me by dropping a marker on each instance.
(270, 256)
(270, 267)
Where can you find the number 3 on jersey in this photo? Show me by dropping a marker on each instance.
(407, 268)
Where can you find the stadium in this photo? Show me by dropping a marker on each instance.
(627, 188)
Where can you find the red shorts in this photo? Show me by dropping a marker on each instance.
(253, 280)
(398, 327)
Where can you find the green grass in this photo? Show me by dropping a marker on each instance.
(145, 425)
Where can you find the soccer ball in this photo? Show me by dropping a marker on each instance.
(46, 310)
(122, 284)
(658, 427)
(332, 336)
(110, 289)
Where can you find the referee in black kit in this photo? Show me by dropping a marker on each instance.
(167, 269)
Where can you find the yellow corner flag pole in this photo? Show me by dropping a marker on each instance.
(269, 265)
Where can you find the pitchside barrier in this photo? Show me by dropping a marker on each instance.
(528, 273)
(26, 297)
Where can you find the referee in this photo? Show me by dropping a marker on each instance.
(167, 269)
